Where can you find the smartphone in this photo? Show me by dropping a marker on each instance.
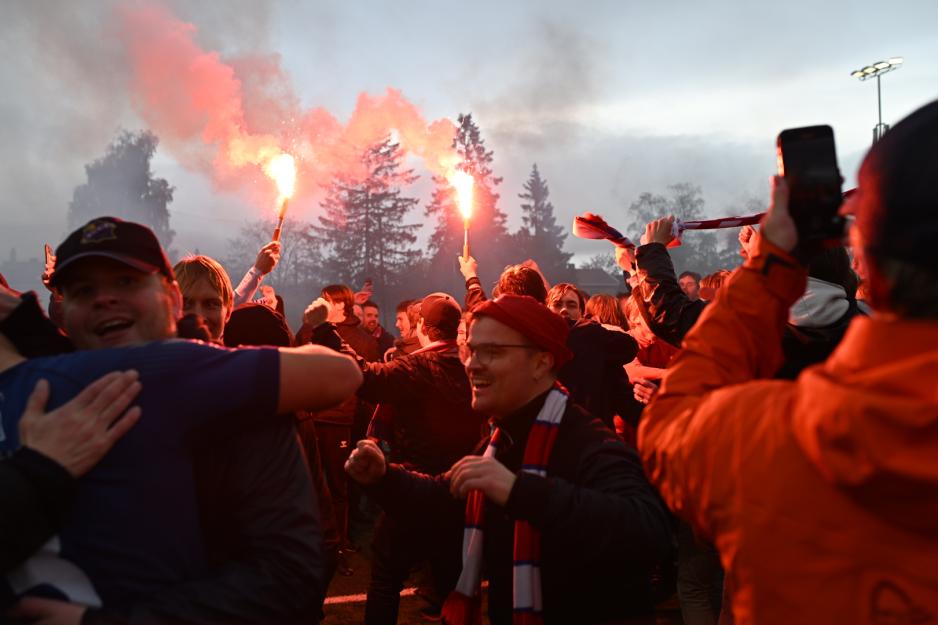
(808, 161)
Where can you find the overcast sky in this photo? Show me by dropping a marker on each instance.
(609, 98)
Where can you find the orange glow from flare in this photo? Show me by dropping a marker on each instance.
(282, 169)
(464, 184)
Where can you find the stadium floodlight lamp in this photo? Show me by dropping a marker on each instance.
(876, 70)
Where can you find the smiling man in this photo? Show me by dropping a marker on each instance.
(135, 529)
(559, 512)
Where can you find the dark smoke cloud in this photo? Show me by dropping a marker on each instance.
(557, 71)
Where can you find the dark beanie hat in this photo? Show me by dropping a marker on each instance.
(896, 205)
(534, 320)
(256, 324)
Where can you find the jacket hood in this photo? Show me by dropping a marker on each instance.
(868, 418)
(822, 304)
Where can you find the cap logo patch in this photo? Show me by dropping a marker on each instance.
(98, 231)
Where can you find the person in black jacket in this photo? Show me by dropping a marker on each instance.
(601, 525)
(334, 427)
(426, 419)
(666, 308)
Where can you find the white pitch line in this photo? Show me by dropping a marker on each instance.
(407, 592)
(359, 598)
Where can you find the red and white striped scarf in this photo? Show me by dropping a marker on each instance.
(463, 606)
(591, 226)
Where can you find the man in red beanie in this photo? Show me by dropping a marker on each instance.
(557, 509)
(821, 493)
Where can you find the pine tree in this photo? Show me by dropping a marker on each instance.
(363, 234)
(540, 237)
(121, 184)
(488, 232)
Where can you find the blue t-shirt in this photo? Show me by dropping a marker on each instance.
(134, 528)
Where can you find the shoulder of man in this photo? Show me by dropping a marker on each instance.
(581, 433)
(430, 363)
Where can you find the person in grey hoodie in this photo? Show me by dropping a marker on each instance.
(818, 320)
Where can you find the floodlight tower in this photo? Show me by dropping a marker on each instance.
(876, 70)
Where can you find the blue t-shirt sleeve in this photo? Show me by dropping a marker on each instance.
(208, 385)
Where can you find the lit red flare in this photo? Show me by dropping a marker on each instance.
(282, 169)
(464, 184)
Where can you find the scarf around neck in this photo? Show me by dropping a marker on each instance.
(463, 606)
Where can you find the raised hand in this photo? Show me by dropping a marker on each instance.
(748, 237)
(777, 225)
(268, 257)
(625, 257)
(468, 267)
(659, 231)
(317, 312)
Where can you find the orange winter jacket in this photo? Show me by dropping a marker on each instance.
(821, 494)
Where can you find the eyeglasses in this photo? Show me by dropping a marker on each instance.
(485, 353)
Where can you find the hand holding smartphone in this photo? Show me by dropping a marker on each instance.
(807, 160)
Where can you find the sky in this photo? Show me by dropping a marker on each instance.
(610, 99)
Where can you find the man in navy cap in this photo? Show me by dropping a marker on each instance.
(135, 527)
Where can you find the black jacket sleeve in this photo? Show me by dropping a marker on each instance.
(475, 294)
(35, 494)
(325, 334)
(31, 332)
(611, 512)
(670, 314)
(263, 536)
(416, 497)
(389, 382)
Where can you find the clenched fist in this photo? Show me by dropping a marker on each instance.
(317, 312)
(366, 464)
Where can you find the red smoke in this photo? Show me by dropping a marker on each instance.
(228, 118)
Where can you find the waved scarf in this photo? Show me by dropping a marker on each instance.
(591, 226)
(463, 606)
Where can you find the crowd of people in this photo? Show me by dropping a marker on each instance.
(757, 439)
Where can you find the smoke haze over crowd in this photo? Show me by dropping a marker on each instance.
(610, 100)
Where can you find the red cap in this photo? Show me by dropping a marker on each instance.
(532, 319)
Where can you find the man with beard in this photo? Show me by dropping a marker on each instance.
(371, 316)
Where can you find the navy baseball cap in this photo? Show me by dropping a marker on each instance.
(127, 242)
